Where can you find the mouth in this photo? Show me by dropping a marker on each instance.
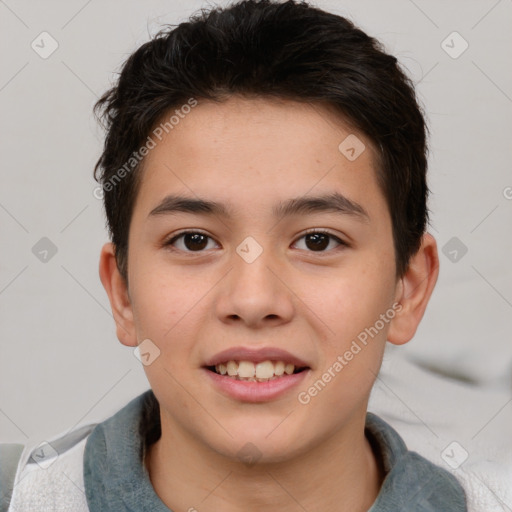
(250, 371)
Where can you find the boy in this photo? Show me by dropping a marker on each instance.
(264, 180)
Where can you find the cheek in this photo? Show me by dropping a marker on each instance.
(160, 304)
(155, 308)
(352, 353)
(170, 308)
(165, 312)
(353, 301)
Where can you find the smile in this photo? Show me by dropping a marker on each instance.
(255, 372)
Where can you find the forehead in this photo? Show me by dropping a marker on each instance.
(257, 152)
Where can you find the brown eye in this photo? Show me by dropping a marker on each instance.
(190, 241)
(319, 241)
(195, 241)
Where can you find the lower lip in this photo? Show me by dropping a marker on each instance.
(249, 391)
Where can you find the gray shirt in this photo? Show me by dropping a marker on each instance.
(116, 479)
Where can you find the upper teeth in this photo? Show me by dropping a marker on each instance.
(249, 370)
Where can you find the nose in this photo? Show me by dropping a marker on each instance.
(255, 293)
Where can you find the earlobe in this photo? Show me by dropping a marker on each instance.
(117, 292)
(414, 291)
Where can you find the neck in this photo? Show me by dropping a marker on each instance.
(341, 474)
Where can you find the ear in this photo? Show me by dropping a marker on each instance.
(414, 290)
(117, 292)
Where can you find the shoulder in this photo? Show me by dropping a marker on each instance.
(49, 476)
(412, 482)
(429, 486)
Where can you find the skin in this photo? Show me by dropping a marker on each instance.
(250, 154)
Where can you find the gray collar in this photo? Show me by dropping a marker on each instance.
(116, 479)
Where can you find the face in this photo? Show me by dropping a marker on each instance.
(246, 279)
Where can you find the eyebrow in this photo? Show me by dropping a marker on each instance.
(334, 202)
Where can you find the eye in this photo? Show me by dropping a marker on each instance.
(190, 241)
(319, 241)
(196, 241)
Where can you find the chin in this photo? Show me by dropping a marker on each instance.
(253, 446)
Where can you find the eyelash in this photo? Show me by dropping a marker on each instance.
(169, 243)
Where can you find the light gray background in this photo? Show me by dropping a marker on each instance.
(60, 362)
